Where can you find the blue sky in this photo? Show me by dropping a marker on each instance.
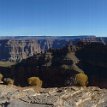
(53, 17)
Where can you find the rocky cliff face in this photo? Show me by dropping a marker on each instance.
(53, 97)
(18, 48)
(52, 65)
(94, 62)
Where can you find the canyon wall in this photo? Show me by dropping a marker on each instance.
(18, 48)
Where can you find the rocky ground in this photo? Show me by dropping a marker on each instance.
(11, 96)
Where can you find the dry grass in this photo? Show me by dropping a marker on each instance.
(35, 81)
(82, 79)
(9, 81)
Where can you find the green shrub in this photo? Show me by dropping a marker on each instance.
(81, 79)
(35, 81)
(1, 77)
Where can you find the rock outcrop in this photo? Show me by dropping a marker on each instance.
(11, 96)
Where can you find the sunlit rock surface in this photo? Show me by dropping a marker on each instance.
(11, 96)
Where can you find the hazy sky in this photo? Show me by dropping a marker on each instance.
(53, 17)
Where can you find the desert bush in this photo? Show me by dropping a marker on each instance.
(1, 77)
(9, 81)
(35, 81)
(81, 79)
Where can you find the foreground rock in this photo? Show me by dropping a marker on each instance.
(11, 96)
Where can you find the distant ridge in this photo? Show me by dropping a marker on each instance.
(44, 37)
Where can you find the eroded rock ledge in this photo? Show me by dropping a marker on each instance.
(11, 96)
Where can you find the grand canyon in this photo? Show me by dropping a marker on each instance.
(56, 61)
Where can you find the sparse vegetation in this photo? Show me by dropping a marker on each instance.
(81, 79)
(9, 81)
(35, 81)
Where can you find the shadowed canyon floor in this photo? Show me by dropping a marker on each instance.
(11, 96)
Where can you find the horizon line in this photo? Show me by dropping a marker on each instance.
(49, 35)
